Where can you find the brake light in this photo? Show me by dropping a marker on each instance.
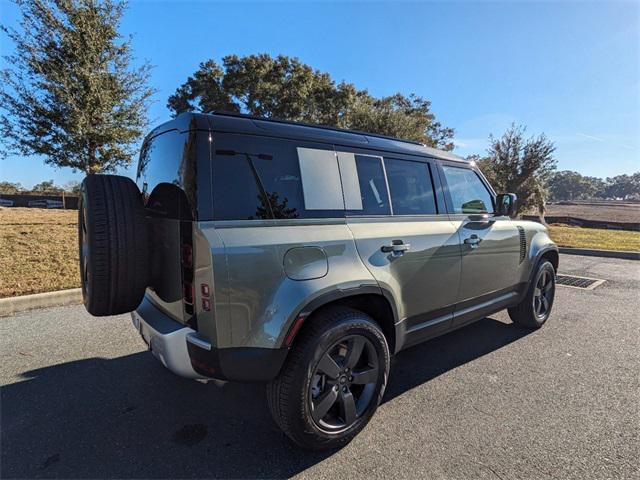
(187, 293)
(187, 255)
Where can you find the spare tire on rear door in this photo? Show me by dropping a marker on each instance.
(113, 244)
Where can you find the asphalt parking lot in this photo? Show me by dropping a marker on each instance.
(82, 398)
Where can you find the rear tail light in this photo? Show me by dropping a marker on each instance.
(187, 293)
(187, 263)
(187, 256)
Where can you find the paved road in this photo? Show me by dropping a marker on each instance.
(81, 398)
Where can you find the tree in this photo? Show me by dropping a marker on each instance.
(521, 166)
(72, 188)
(46, 187)
(623, 186)
(9, 188)
(69, 92)
(568, 185)
(285, 88)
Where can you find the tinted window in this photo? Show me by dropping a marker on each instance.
(167, 174)
(258, 178)
(411, 187)
(467, 192)
(373, 188)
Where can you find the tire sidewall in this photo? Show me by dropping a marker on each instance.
(353, 326)
(544, 266)
(85, 262)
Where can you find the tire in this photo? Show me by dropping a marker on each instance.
(296, 396)
(541, 293)
(113, 245)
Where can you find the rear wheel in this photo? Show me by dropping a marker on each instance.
(332, 381)
(113, 245)
(535, 308)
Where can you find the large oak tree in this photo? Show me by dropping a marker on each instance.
(285, 88)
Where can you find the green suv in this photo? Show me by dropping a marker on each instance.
(257, 250)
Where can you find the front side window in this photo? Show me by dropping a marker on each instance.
(411, 187)
(467, 192)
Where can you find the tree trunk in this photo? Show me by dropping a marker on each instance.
(541, 212)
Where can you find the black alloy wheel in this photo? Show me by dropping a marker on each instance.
(343, 383)
(543, 294)
(333, 379)
(535, 307)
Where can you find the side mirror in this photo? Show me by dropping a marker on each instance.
(506, 204)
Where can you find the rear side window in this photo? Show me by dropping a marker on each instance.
(373, 186)
(167, 174)
(411, 187)
(466, 191)
(259, 178)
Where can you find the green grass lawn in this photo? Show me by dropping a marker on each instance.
(578, 237)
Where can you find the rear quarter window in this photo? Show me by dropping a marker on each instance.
(167, 174)
(260, 178)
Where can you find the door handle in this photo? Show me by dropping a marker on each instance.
(397, 247)
(473, 241)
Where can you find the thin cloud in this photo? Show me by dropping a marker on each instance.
(591, 137)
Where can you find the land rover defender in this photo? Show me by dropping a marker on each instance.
(257, 250)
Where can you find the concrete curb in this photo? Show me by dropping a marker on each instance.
(11, 305)
(589, 252)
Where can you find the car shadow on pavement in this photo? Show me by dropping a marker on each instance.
(128, 417)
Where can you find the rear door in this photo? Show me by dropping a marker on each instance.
(396, 213)
(490, 245)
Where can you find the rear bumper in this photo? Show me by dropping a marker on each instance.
(185, 353)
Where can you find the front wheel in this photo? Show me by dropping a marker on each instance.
(332, 381)
(536, 306)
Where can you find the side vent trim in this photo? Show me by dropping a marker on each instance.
(523, 244)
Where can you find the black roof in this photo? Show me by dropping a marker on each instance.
(247, 124)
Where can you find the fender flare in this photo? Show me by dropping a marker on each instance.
(298, 319)
(536, 260)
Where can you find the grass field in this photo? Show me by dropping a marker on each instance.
(39, 248)
(602, 211)
(577, 237)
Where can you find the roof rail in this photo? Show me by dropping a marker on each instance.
(304, 124)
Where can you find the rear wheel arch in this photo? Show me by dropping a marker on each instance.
(369, 300)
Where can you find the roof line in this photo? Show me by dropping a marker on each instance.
(305, 124)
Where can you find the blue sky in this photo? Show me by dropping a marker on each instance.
(568, 69)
